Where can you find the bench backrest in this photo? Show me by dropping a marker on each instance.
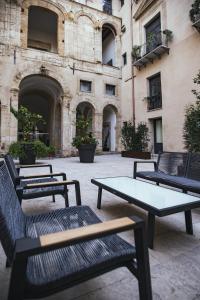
(173, 163)
(12, 219)
(193, 169)
(12, 169)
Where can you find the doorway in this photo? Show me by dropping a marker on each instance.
(158, 135)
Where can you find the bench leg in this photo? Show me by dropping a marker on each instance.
(99, 198)
(188, 221)
(151, 230)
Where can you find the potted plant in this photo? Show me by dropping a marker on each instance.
(135, 140)
(27, 148)
(84, 141)
(195, 11)
(136, 52)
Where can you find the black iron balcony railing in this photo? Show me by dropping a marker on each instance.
(155, 46)
(154, 102)
(107, 8)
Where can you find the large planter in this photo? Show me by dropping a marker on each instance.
(30, 156)
(86, 153)
(136, 154)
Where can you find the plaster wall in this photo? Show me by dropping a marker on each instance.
(177, 70)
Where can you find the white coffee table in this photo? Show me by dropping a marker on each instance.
(158, 201)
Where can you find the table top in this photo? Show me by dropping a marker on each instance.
(157, 197)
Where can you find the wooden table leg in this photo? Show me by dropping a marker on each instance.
(151, 230)
(188, 221)
(99, 198)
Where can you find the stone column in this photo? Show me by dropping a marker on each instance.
(14, 92)
(98, 124)
(66, 136)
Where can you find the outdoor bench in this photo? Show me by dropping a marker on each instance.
(59, 249)
(176, 169)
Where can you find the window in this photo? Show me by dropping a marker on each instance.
(107, 6)
(110, 89)
(122, 2)
(155, 93)
(124, 57)
(153, 34)
(85, 86)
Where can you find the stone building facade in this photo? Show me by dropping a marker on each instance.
(58, 57)
(62, 57)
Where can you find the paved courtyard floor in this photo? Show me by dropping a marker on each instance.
(175, 261)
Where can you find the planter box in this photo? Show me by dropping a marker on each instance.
(136, 154)
(86, 153)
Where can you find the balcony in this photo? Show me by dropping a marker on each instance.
(154, 102)
(154, 48)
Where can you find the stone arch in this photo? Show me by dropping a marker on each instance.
(43, 94)
(116, 28)
(110, 128)
(81, 13)
(87, 110)
(51, 6)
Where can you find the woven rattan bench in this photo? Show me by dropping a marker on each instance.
(56, 250)
(176, 169)
(36, 186)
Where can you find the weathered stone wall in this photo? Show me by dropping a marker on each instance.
(79, 58)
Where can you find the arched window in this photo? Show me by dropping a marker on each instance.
(108, 45)
(42, 29)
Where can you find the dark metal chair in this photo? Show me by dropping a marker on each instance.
(35, 186)
(56, 250)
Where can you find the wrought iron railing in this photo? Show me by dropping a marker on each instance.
(154, 102)
(153, 40)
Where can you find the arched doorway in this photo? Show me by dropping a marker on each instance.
(109, 128)
(108, 45)
(86, 110)
(42, 95)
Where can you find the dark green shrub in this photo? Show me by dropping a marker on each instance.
(135, 138)
(83, 135)
(191, 130)
(195, 11)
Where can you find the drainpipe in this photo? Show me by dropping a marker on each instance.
(132, 68)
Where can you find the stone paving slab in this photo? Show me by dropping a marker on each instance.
(175, 261)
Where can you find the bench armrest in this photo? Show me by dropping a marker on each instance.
(143, 162)
(49, 184)
(52, 241)
(35, 166)
(44, 176)
(64, 183)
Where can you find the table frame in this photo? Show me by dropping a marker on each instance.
(152, 211)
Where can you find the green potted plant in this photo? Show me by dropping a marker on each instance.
(136, 52)
(135, 140)
(195, 11)
(84, 141)
(191, 130)
(27, 148)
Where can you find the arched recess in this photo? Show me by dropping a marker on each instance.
(56, 10)
(43, 95)
(87, 111)
(108, 45)
(109, 128)
(43, 34)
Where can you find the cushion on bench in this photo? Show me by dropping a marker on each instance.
(60, 267)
